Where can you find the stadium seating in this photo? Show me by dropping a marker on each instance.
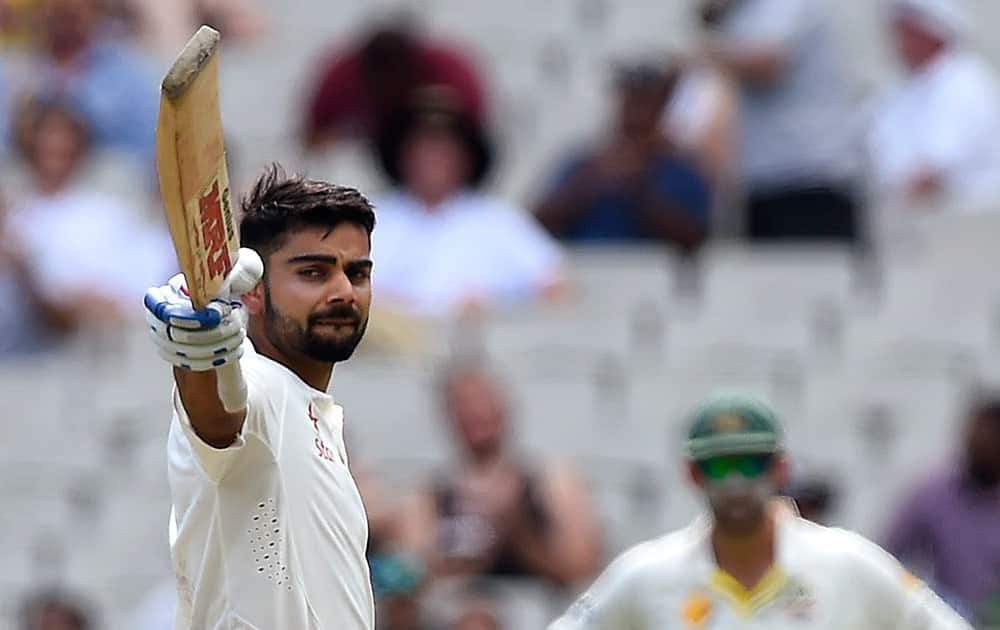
(868, 369)
(83, 471)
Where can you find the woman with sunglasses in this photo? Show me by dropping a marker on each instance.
(751, 561)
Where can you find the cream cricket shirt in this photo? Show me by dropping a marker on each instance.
(270, 533)
(825, 579)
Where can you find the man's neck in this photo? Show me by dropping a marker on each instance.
(486, 460)
(51, 187)
(747, 558)
(315, 374)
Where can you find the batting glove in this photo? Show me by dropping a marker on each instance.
(197, 340)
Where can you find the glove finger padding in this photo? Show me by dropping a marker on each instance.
(228, 326)
(218, 347)
(202, 364)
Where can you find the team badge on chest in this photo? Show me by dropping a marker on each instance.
(696, 610)
(320, 447)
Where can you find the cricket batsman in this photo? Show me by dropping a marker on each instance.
(267, 528)
(751, 561)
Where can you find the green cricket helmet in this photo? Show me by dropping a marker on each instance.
(732, 423)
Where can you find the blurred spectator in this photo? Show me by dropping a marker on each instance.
(29, 321)
(635, 185)
(477, 617)
(495, 514)
(113, 87)
(164, 27)
(949, 529)
(363, 88)
(379, 507)
(400, 612)
(478, 610)
(799, 147)
(53, 610)
(814, 496)
(17, 23)
(5, 106)
(936, 137)
(443, 245)
(701, 119)
(106, 255)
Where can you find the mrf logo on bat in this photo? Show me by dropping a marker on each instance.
(215, 215)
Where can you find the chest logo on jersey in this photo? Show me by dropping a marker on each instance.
(313, 418)
(696, 610)
(322, 450)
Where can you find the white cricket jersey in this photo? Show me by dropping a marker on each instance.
(824, 579)
(270, 532)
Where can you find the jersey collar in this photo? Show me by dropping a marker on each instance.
(775, 581)
(250, 350)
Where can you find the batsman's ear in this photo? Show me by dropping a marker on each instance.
(253, 300)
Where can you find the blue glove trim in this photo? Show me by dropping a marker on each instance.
(166, 311)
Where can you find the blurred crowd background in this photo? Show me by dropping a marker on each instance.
(592, 213)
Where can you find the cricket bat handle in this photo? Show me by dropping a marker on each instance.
(232, 387)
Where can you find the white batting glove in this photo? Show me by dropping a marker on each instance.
(205, 339)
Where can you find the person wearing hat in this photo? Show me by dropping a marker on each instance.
(751, 561)
(934, 137)
(445, 245)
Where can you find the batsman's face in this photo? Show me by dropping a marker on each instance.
(317, 292)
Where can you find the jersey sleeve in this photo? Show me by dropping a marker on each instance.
(605, 606)
(895, 598)
(258, 425)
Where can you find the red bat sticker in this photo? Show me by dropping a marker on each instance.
(213, 231)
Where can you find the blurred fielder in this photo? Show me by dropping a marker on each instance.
(753, 563)
(268, 530)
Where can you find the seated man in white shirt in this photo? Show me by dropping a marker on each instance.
(752, 562)
(443, 245)
(935, 138)
(107, 251)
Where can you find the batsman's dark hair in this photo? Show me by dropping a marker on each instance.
(279, 204)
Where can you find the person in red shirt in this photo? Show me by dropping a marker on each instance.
(362, 88)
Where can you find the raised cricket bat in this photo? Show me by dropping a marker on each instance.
(194, 184)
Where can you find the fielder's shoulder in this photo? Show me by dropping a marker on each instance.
(659, 560)
(858, 556)
(649, 567)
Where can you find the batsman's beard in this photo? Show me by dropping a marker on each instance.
(291, 337)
